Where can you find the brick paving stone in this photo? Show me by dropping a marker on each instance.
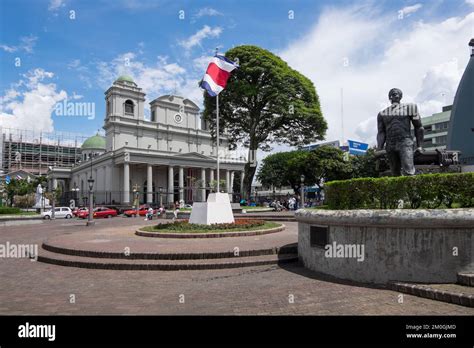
(36, 288)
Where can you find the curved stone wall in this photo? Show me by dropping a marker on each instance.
(378, 246)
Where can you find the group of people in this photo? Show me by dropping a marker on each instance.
(150, 212)
(161, 211)
(287, 204)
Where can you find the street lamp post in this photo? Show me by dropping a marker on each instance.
(53, 203)
(302, 191)
(90, 218)
(135, 195)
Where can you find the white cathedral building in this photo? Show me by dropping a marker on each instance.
(168, 158)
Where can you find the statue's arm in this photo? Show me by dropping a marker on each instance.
(381, 135)
(419, 130)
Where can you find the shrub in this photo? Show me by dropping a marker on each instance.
(9, 210)
(419, 191)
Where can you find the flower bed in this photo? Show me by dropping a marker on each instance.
(185, 226)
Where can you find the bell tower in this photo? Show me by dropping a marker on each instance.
(124, 99)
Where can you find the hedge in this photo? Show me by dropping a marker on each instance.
(9, 210)
(420, 191)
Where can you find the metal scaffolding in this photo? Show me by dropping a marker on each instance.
(35, 151)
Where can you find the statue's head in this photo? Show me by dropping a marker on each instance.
(395, 95)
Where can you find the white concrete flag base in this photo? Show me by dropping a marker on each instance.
(217, 210)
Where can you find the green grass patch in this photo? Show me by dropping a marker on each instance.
(15, 211)
(195, 228)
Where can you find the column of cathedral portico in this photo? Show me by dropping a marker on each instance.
(232, 173)
(149, 184)
(181, 183)
(170, 185)
(227, 180)
(203, 184)
(242, 176)
(211, 176)
(126, 183)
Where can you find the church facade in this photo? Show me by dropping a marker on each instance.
(170, 157)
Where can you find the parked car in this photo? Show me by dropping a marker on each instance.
(76, 211)
(104, 212)
(99, 212)
(59, 212)
(141, 212)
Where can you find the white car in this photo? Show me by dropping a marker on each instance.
(59, 212)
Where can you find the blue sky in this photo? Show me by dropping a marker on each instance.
(79, 58)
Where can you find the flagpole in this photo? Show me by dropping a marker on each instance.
(217, 125)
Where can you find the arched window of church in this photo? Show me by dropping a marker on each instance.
(153, 116)
(129, 107)
(109, 107)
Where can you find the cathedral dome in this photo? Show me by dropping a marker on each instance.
(96, 142)
(125, 78)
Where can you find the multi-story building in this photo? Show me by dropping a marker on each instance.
(436, 129)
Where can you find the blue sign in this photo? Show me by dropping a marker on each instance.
(357, 148)
(7, 179)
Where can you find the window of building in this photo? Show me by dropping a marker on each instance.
(441, 140)
(153, 116)
(129, 107)
(442, 125)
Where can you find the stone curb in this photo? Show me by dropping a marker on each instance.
(466, 279)
(433, 294)
(209, 235)
(20, 217)
(421, 218)
(170, 256)
(164, 267)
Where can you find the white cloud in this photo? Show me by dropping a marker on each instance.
(55, 5)
(424, 59)
(156, 79)
(201, 63)
(470, 2)
(195, 39)
(26, 44)
(410, 9)
(207, 11)
(29, 103)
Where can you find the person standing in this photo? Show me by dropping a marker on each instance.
(175, 210)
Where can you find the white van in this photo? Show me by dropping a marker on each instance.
(59, 212)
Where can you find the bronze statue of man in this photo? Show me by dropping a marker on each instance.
(394, 131)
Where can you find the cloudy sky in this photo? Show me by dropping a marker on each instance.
(57, 50)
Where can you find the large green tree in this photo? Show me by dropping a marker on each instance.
(265, 102)
(285, 168)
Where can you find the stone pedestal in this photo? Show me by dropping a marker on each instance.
(217, 210)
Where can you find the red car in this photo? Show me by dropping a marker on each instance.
(99, 212)
(141, 212)
(76, 211)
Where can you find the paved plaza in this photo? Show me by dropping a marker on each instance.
(39, 288)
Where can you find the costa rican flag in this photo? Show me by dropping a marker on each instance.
(217, 73)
